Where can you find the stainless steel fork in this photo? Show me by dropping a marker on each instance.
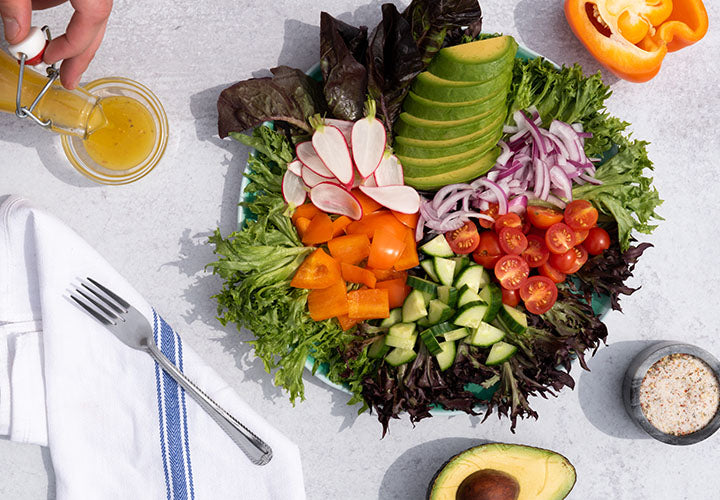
(134, 330)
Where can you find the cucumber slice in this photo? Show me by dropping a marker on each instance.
(471, 314)
(402, 330)
(441, 328)
(486, 335)
(422, 285)
(394, 318)
(461, 263)
(499, 353)
(514, 320)
(448, 294)
(492, 296)
(456, 334)
(444, 270)
(427, 297)
(423, 322)
(378, 349)
(474, 277)
(400, 342)
(430, 342)
(446, 356)
(398, 356)
(437, 247)
(414, 307)
(467, 296)
(438, 311)
(428, 266)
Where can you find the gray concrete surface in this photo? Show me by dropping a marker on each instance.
(154, 232)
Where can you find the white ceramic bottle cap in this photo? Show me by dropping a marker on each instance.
(33, 47)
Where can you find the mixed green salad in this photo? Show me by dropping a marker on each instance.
(456, 340)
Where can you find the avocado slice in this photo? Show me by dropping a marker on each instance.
(435, 88)
(443, 163)
(444, 111)
(475, 61)
(402, 142)
(435, 130)
(434, 178)
(540, 474)
(430, 149)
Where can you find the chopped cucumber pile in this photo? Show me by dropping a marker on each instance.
(456, 302)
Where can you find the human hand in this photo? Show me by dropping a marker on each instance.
(76, 47)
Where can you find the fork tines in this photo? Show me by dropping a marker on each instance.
(104, 305)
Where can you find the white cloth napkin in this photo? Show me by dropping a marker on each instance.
(116, 425)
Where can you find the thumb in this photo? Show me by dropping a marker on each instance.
(16, 16)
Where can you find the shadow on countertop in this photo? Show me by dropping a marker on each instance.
(409, 476)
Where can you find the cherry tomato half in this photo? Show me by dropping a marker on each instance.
(512, 240)
(511, 271)
(539, 294)
(510, 297)
(581, 257)
(492, 211)
(543, 217)
(580, 215)
(465, 239)
(597, 241)
(488, 251)
(550, 272)
(536, 254)
(559, 238)
(580, 236)
(508, 220)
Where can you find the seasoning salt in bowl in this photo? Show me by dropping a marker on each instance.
(672, 391)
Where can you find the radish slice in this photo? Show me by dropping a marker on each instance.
(403, 199)
(357, 180)
(295, 167)
(343, 126)
(307, 155)
(332, 198)
(293, 189)
(389, 172)
(312, 179)
(369, 141)
(332, 149)
(370, 182)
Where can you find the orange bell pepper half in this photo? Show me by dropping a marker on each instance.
(397, 291)
(355, 274)
(317, 271)
(319, 231)
(308, 210)
(385, 250)
(351, 249)
(340, 224)
(368, 304)
(328, 302)
(409, 258)
(632, 37)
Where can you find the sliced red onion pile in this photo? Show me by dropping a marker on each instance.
(535, 164)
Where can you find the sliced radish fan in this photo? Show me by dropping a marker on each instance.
(307, 155)
(334, 199)
(402, 199)
(389, 172)
(293, 189)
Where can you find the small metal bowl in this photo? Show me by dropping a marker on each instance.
(635, 375)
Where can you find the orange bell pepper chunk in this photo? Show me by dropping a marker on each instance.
(385, 249)
(355, 274)
(410, 220)
(340, 224)
(389, 274)
(301, 225)
(687, 24)
(329, 302)
(308, 210)
(319, 231)
(368, 204)
(368, 304)
(317, 271)
(352, 249)
(346, 322)
(371, 223)
(397, 291)
(409, 258)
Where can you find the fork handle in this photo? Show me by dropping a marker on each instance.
(255, 448)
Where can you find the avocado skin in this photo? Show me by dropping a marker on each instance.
(531, 449)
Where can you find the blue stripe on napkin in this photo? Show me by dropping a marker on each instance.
(172, 416)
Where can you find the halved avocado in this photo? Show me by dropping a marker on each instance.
(445, 111)
(475, 61)
(435, 130)
(540, 474)
(435, 88)
(432, 179)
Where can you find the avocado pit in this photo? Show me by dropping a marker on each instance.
(488, 484)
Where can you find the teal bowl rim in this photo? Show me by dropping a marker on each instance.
(600, 304)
